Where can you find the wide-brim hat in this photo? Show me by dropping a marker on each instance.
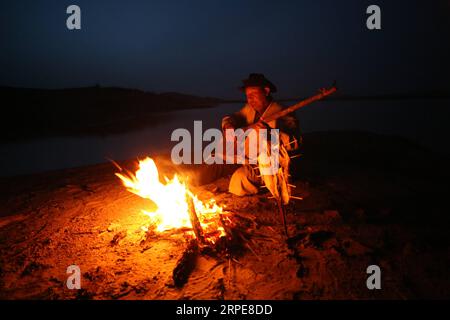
(257, 80)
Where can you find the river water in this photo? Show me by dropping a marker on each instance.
(424, 121)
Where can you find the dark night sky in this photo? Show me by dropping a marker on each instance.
(207, 47)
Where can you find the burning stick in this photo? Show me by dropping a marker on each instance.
(185, 264)
(196, 227)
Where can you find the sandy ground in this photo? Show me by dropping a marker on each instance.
(351, 217)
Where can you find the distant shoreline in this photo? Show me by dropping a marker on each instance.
(100, 111)
(38, 113)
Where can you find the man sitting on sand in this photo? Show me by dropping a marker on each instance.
(258, 90)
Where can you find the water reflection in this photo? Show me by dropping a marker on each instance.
(420, 120)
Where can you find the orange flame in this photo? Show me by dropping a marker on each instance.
(170, 199)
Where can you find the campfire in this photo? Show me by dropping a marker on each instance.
(177, 207)
(207, 227)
